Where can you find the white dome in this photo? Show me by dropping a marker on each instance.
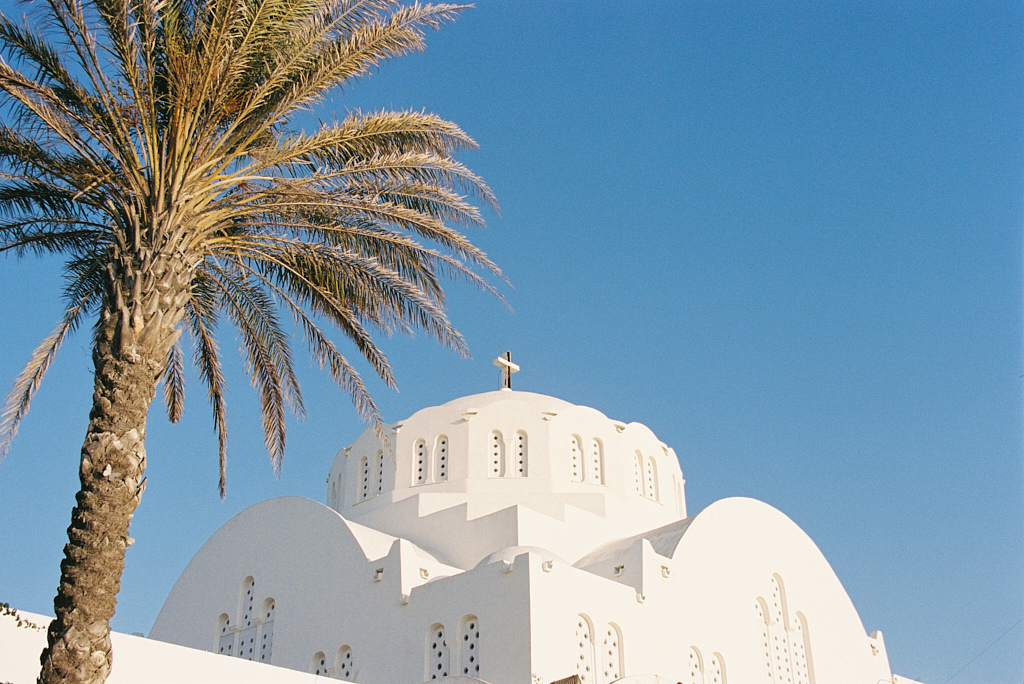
(505, 451)
(542, 401)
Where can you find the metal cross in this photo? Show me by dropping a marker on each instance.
(504, 362)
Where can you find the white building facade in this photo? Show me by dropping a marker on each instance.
(516, 538)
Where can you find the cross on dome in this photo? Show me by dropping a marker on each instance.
(504, 362)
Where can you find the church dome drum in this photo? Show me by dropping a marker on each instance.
(488, 452)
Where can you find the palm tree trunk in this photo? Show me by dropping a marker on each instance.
(138, 326)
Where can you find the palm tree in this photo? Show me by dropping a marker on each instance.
(152, 143)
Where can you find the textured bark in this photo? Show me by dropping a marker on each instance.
(143, 303)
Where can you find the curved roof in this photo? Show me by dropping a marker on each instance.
(540, 401)
(664, 541)
(509, 553)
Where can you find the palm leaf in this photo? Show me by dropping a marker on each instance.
(201, 318)
(174, 384)
(27, 384)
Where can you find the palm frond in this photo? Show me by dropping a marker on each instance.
(362, 136)
(324, 57)
(24, 44)
(346, 287)
(27, 384)
(419, 167)
(174, 383)
(267, 353)
(201, 318)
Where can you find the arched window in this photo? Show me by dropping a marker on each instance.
(469, 645)
(802, 667)
(496, 452)
(319, 666)
(596, 472)
(695, 667)
(380, 471)
(343, 665)
(267, 634)
(225, 637)
(248, 602)
(780, 649)
(575, 458)
(585, 650)
(766, 640)
(715, 673)
(521, 455)
(364, 473)
(611, 653)
(422, 468)
(711, 672)
(441, 459)
(437, 652)
(785, 639)
(680, 509)
(652, 479)
(247, 636)
(638, 472)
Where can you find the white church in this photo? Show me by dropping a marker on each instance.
(511, 538)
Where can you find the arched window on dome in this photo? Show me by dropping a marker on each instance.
(575, 458)
(715, 673)
(596, 471)
(585, 650)
(785, 638)
(522, 447)
(267, 630)
(225, 635)
(441, 459)
(680, 509)
(247, 603)
(695, 667)
(764, 617)
(496, 454)
(779, 634)
(421, 468)
(652, 479)
(469, 646)
(379, 459)
(777, 608)
(247, 622)
(437, 652)
(343, 663)
(611, 653)
(319, 664)
(802, 667)
(638, 472)
(364, 478)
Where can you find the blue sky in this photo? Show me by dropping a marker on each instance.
(786, 236)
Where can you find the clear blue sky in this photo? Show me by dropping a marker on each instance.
(786, 236)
